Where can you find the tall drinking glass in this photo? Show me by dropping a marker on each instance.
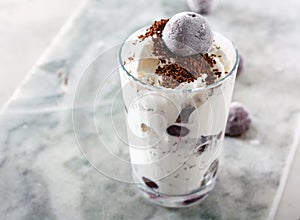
(175, 135)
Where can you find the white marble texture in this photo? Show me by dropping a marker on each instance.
(44, 175)
(27, 28)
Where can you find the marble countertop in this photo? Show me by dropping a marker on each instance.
(52, 125)
(28, 27)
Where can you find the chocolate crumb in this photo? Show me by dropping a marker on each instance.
(155, 29)
(130, 58)
(218, 74)
(173, 75)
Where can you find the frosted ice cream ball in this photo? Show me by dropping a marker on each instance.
(187, 33)
(200, 6)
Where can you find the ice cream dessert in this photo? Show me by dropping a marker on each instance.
(177, 79)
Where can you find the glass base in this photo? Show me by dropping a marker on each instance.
(178, 201)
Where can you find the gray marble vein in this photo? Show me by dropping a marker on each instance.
(43, 173)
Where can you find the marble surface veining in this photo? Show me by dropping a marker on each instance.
(43, 173)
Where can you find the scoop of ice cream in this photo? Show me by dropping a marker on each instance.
(200, 6)
(187, 33)
(238, 120)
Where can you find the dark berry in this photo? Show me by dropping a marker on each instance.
(150, 183)
(184, 115)
(200, 6)
(193, 200)
(238, 120)
(241, 66)
(177, 131)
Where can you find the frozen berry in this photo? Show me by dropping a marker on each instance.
(187, 33)
(177, 131)
(241, 65)
(184, 115)
(200, 6)
(238, 121)
(150, 183)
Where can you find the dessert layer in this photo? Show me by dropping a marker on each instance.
(148, 60)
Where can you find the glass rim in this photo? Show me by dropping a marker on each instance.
(182, 90)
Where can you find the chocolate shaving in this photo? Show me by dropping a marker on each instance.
(173, 75)
(155, 29)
